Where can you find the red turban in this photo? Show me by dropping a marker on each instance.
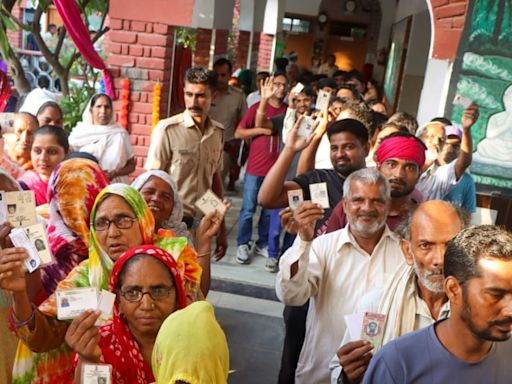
(400, 147)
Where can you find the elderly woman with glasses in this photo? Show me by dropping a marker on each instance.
(149, 288)
(120, 220)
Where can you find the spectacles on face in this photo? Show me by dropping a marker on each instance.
(122, 222)
(135, 295)
(280, 85)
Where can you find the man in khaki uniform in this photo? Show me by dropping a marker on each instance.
(189, 147)
(228, 107)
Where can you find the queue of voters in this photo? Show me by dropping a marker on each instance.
(367, 218)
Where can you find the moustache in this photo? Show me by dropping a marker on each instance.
(505, 321)
(196, 109)
(397, 181)
(434, 272)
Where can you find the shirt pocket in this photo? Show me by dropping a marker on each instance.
(184, 162)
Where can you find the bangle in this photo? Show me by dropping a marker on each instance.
(260, 113)
(18, 324)
(204, 254)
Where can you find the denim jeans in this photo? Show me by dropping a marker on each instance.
(252, 186)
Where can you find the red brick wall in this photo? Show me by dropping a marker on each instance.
(242, 50)
(141, 52)
(265, 51)
(449, 19)
(15, 38)
(202, 50)
(221, 42)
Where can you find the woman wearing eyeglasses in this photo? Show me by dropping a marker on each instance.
(149, 288)
(120, 220)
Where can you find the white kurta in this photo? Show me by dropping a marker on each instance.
(335, 273)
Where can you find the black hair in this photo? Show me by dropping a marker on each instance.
(49, 104)
(442, 120)
(200, 75)
(97, 96)
(57, 132)
(308, 91)
(281, 63)
(470, 245)
(339, 72)
(263, 73)
(81, 155)
(280, 73)
(378, 120)
(352, 126)
(327, 82)
(223, 61)
(355, 74)
(351, 88)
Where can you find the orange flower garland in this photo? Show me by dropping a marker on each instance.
(155, 116)
(125, 99)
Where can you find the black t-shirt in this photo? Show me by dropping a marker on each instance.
(334, 187)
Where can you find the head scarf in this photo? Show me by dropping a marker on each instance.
(87, 115)
(118, 346)
(100, 264)
(401, 147)
(174, 221)
(191, 347)
(72, 190)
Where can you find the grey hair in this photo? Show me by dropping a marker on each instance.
(404, 228)
(367, 176)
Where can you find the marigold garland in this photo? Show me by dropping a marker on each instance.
(155, 116)
(125, 99)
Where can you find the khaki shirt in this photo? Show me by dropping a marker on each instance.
(191, 158)
(228, 108)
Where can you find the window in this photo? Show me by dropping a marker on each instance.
(293, 24)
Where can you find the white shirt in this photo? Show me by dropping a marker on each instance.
(334, 272)
(253, 98)
(370, 303)
(437, 181)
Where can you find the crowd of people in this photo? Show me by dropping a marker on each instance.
(392, 237)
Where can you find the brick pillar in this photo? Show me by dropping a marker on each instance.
(221, 42)
(16, 38)
(449, 19)
(141, 52)
(266, 43)
(202, 49)
(242, 50)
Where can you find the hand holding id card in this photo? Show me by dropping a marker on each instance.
(210, 202)
(73, 302)
(19, 208)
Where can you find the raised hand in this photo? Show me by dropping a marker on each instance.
(83, 336)
(470, 116)
(12, 274)
(306, 216)
(294, 141)
(267, 88)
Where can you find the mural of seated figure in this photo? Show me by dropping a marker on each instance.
(496, 147)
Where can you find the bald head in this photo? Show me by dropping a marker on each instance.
(25, 124)
(429, 229)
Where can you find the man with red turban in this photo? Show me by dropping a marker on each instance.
(399, 158)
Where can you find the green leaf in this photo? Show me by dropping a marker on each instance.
(9, 24)
(4, 41)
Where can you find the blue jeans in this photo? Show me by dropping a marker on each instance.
(252, 186)
(274, 236)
